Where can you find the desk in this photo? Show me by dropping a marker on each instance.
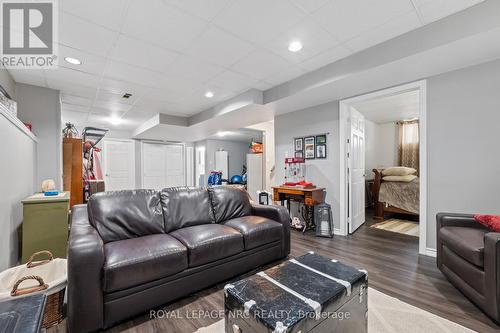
(310, 197)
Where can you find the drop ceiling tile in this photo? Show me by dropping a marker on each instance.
(248, 20)
(326, 58)
(74, 117)
(312, 36)
(75, 108)
(112, 97)
(193, 69)
(78, 90)
(143, 54)
(310, 6)
(206, 9)
(108, 13)
(261, 64)
(286, 75)
(150, 107)
(28, 76)
(66, 76)
(142, 76)
(76, 100)
(162, 24)
(122, 86)
(389, 30)
(433, 10)
(90, 63)
(80, 34)
(347, 19)
(219, 47)
(233, 81)
(113, 107)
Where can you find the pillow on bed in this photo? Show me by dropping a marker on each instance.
(398, 171)
(405, 179)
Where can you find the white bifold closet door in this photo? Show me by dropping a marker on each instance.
(162, 166)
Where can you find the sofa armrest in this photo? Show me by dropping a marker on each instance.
(278, 214)
(85, 263)
(492, 272)
(457, 220)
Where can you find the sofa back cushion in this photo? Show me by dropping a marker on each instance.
(229, 202)
(186, 207)
(126, 214)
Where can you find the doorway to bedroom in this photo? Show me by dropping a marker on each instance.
(383, 169)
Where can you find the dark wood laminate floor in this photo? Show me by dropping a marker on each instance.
(394, 268)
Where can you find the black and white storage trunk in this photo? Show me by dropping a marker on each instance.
(307, 294)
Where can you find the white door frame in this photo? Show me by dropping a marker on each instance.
(133, 157)
(343, 123)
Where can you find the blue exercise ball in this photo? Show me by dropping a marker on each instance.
(236, 179)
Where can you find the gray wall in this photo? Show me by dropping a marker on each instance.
(7, 82)
(463, 124)
(42, 108)
(325, 172)
(237, 152)
(381, 146)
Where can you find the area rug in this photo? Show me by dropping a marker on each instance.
(400, 226)
(389, 315)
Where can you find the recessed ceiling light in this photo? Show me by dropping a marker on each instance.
(209, 94)
(115, 120)
(295, 46)
(73, 61)
(221, 134)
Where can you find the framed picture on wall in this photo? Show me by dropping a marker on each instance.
(321, 139)
(309, 148)
(321, 151)
(299, 154)
(299, 144)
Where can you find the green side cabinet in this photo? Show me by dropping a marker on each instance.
(45, 225)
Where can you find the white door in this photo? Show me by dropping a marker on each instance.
(254, 175)
(154, 166)
(119, 165)
(356, 167)
(175, 166)
(222, 163)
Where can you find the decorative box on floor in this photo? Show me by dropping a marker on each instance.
(307, 294)
(22, 315)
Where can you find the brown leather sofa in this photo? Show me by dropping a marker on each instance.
(468, 254)
(132, 251)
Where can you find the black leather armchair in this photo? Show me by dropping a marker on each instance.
(132, 251)
(468, 254)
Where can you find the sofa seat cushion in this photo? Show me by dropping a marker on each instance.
(256, 230)
(209, 242)
(468, 243)
(135, 261)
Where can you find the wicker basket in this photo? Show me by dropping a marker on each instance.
(53, 313)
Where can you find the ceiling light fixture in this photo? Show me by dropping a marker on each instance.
(209, 94)
(73, 61)
(295, 46)
(115, 120)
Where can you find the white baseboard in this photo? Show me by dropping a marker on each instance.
(336, 231)
(430, 252)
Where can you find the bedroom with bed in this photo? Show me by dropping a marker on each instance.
(392, 182)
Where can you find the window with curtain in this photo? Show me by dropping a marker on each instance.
(408, 147)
